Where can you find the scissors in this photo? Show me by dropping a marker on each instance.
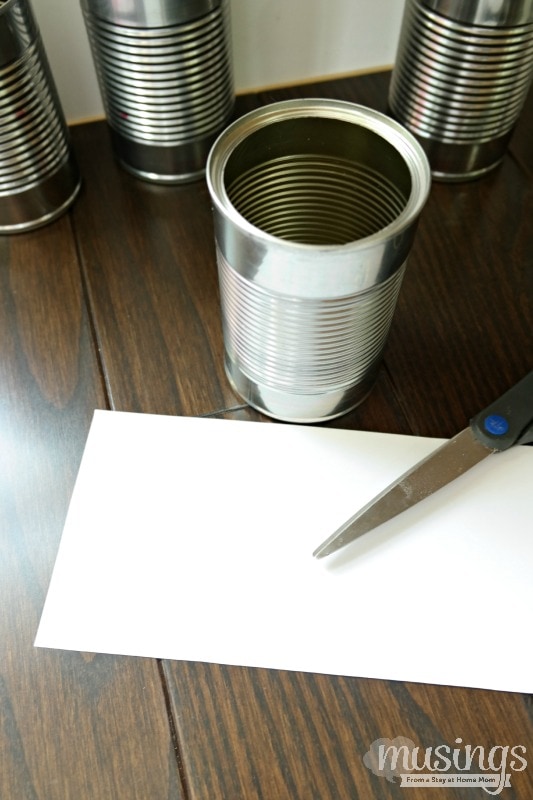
(506, 422)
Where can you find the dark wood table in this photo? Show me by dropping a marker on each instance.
(116, 305)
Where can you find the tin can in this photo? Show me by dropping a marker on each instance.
(166, 79)
(39, 177)
(461, 76)
(315, 208)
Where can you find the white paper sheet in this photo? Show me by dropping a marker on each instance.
(191, 539)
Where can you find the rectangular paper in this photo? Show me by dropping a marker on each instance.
(192, 539)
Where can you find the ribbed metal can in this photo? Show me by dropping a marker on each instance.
(165, 74)
(315, 208)
(460, 79)
(39, 178)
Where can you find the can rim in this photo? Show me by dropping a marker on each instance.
(381, 124)
(485, 13)
(154, 14)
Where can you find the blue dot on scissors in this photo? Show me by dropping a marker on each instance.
(496, 425)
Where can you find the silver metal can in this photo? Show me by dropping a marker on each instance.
(39, 178)
(461, 76)
(166, 79)
(315, 208)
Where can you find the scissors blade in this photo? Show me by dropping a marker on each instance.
(506, 422)
(442, 466)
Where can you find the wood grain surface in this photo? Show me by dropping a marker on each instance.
(116, 305)
(72, 725)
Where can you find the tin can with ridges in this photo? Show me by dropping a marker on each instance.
(39, 177)
(315, 208)
(166, 80)
(460, 79)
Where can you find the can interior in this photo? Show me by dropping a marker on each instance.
(317, 180)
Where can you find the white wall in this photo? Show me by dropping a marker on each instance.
(274, 42)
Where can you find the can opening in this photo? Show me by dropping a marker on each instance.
(317, 180)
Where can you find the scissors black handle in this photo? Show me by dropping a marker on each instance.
(508, 420)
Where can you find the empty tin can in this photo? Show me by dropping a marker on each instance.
(315, 208)
(462, 73)
(166, 80)
(39, 178)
